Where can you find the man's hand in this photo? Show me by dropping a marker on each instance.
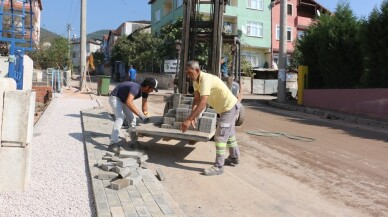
(147, 114)
(186, 124)
(145, 120)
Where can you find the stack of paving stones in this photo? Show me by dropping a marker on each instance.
(121, 182)
(181, 110)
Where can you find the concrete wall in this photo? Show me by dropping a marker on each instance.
(164, 81)
(28, 72)
(4, 65)
(369, 102)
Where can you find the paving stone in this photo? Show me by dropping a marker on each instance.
(109, 154)
(104, 215)
(168, 120)
(122, 171)
(209, 114)
(113, 199)
(123, 195)
(128, 206)
(210, 110)
(119, 184)
(102, 207)
(167, 210)
(108, 166)
(134, 178)
(172, 111)
(101, 162)
(142, 211)
(177, 125)
(160, 200)
(142, 159)
(144, 165)
(138, 201)
(114, 159)
(126, 162)
(107, 158)
(167, 126)
(131, 214)
(117, 212)
(147, 197)
(160, 174)
(103, 175)
(130, 154)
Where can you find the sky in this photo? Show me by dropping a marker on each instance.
(57, 14)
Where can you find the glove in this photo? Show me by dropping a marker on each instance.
(145, 120)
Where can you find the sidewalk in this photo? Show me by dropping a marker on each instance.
(334, 115)
(59, 182)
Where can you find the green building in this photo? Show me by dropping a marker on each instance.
(249, 18)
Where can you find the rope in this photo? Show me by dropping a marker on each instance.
(279, 134)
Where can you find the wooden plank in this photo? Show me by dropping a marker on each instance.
(152, 130)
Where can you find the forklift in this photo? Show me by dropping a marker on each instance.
(196, 31)
(212, 33)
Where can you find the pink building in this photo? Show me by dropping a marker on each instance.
(300, 14)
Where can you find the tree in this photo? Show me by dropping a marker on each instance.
(374, 38)
(54, 56)
(331, 49)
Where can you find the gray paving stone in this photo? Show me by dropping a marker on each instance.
(108, 166)
(107, 175)
(102, 207)
(126, 162)
(144, 165)
(168, 120)
(142, 211)
(128, 206)
(131, 214)
(123, 196)
(134, 178)
(122, 171)
(160, 200)
(137, 201)
(160, 174)
(147, 197)
(142, 158)
(104, 215)
(119, 184)
(130, 154)
(167, 126)
(117, 212)
(113, 200)
(167, 210)
(107, 158)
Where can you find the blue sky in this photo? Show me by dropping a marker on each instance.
(56, 13)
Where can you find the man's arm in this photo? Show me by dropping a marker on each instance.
(196, 100)
(132, 106)
(144, 105)
(194, 114)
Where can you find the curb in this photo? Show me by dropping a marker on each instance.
(331, 114)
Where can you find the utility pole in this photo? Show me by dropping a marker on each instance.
(83, 87)
(282, 52)
(68, 27)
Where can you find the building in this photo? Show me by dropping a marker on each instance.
(249, 18)
(300, 15)
(124, 29)
(91, 47)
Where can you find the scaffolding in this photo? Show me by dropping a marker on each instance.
(17, 18)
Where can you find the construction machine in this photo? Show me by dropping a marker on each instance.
(210, 31)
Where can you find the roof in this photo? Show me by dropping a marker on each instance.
(40, 4)
(151, 2)
(140, 21)
(313, 2)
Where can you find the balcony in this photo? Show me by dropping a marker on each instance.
(303, 22)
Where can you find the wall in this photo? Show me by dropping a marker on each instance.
(369, 102)
(164, 81)
(28, 72)
(4, 65)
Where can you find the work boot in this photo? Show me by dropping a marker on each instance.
(232, 161)
(214, 170)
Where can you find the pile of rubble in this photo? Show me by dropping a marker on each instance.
(181, 109)
(124, 168)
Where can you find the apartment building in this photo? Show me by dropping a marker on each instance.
(250, 19)
(300, 15)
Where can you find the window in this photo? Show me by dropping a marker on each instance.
(300, 34)
(289, 33)
(252, 59)
(289, 9)
(157, 15)
(179, 3)
(74, 55)
(255, 29)
(255, 4)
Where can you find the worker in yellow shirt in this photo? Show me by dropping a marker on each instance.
(210, 89)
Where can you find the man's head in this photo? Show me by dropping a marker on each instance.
(131, 66)
(149, 85)
(193, 70)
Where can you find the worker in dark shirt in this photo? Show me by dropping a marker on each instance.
(121, 101)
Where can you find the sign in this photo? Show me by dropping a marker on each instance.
(170, 66)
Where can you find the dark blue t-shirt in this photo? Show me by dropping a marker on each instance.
(123, 90)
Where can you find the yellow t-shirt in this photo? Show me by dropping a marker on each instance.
(220, 97)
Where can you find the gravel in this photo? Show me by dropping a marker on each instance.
(59, 184)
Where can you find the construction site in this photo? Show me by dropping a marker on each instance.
(58, 156)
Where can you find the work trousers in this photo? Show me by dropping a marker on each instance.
(121, 111)
(225, 136)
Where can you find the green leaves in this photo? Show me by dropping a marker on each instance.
(54, 56)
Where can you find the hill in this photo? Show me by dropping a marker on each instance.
(47, 36)
(98, 34)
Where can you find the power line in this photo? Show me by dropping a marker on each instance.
(71, 11)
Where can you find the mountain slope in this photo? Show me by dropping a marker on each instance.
(98, 34)
(47, 36)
